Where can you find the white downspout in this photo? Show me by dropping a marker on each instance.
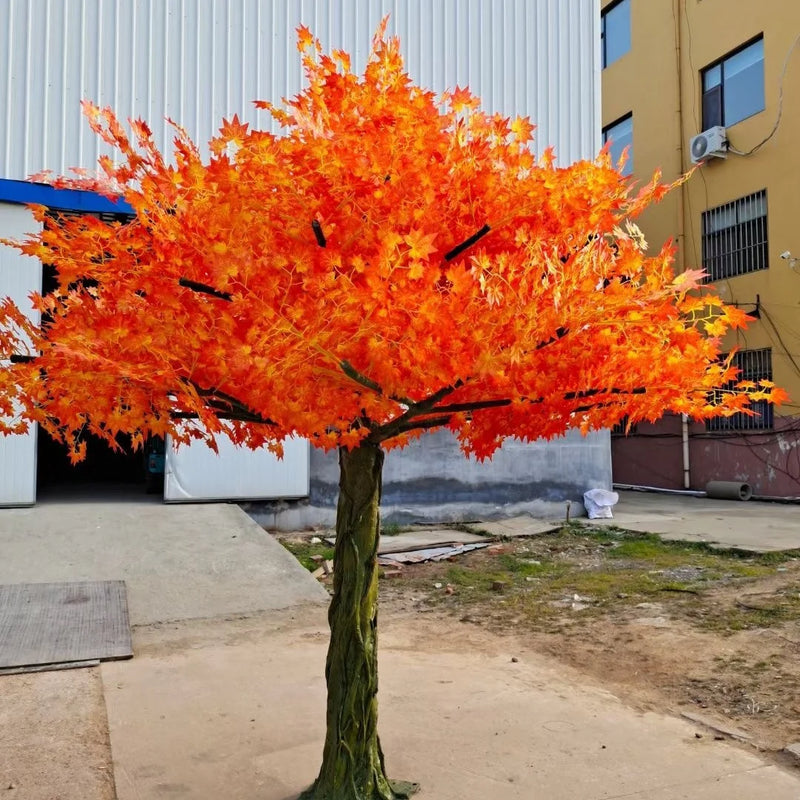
(685, 437)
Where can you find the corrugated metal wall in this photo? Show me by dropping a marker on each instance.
(19, 276)
(199, 60)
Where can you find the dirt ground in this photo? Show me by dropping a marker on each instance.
(54, 737)
(669, 627)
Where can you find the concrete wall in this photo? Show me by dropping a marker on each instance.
(659, 81)
(432, 481)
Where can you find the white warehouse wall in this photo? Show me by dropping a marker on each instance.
(197, 61)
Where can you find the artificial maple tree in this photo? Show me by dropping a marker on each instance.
(393, 262)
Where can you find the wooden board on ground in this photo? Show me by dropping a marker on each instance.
(55, 623)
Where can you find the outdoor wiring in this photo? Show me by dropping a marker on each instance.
(774, 130)
(786, 352)
(787, 328)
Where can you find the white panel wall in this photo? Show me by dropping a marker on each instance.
(199, 60)
(19, 276)
(195, 472)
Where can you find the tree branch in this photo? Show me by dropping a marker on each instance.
(559, 334)
(460, 248)
(202, 288)
(225, 415)
(422, 424)
(419, 416)
(363, 380)
(226, 406)
(318, 234)
(478, 405)
(399, 424)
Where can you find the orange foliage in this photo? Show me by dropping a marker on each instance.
(392, 262)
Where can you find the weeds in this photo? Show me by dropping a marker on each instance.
(308, 554)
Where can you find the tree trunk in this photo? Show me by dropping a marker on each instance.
(352, 761)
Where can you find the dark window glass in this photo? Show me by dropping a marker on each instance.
(733, 88)
(620, 134)
(615, 32)
(735, 237)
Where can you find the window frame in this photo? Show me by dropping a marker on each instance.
(738, 259)
(603, 39)
(607, 128)
(719, 89)
(765, 412)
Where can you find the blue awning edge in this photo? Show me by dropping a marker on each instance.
(24, 192)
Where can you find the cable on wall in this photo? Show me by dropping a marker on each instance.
(774, 130)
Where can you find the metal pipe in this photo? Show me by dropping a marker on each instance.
(633, 487)
(685, 439)
(729, 490)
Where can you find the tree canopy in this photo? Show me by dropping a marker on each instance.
(391, 262)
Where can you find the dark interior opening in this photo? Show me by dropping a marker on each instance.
(104, 473)
(101, 467)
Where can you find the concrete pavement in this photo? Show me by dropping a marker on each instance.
(752, 525)
(178, 561)
(236, 710)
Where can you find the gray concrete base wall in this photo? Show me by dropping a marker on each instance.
(432, 481)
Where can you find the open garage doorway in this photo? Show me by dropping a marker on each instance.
(103, 475)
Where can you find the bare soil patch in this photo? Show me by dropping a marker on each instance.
(54, 737)
(668, 626)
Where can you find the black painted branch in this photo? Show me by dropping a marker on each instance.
(318, 234)
(202, 288)
(460, 248)
(232, 416)
(559, 334)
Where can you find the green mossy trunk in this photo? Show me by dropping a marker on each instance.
(352, 761)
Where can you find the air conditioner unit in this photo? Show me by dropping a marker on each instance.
(707, 144)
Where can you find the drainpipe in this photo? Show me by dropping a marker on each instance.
(685, 439)
(680, 213)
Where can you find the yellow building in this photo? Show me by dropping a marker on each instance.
(717, 82)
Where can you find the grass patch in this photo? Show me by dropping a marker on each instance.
(581, 571)
(303, 551)
(743, 614)
(649, 546)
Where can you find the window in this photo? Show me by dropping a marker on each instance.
(615, 32)
(753, 365)
(735, 237)
(733, 88)
(620, 134)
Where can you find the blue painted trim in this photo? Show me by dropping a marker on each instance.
(23, 192)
